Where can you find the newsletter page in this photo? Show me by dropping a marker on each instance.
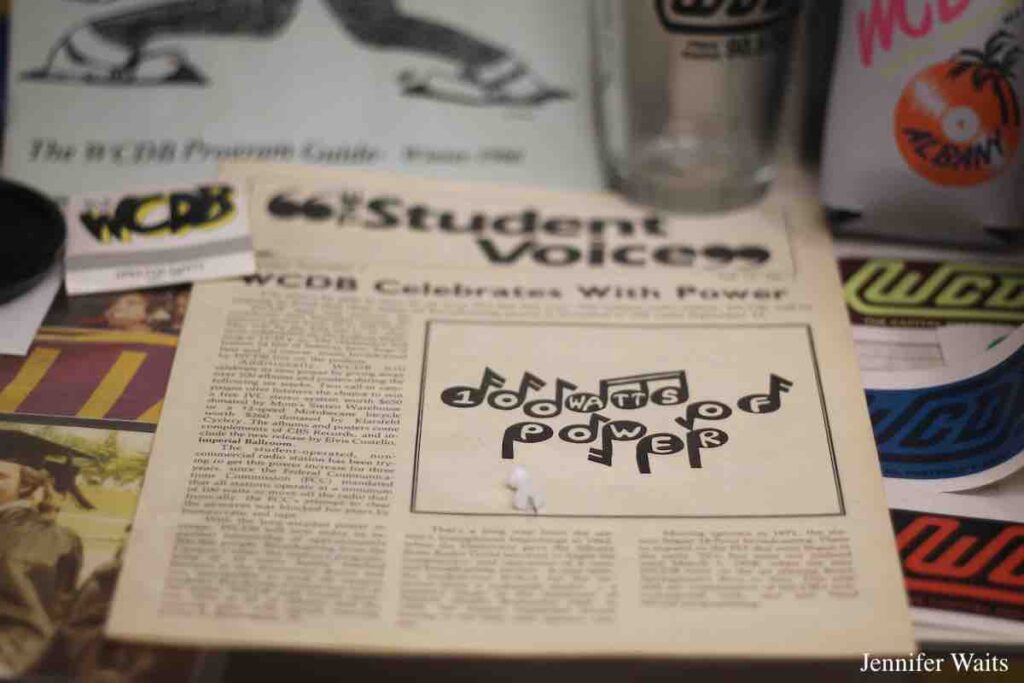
(576, 427)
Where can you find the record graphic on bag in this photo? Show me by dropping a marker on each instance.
(957, 122)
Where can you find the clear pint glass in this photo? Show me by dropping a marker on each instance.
(689, 96)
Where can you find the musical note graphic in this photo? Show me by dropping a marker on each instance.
(703, 438)
(677, 392)
(523, 432)
(632, 392)
(471, 397)
(632, 399)
(704, 410)
(759, 404)
(510, 400)
(620, 430)
(579, 433)
(626, 399)
(584, 402)
(547, 407)
(656, 444)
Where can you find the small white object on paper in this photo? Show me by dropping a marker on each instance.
(20, 318)
(156, 237)
(526, 497)
(518, 477)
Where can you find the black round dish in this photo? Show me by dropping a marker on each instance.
(32, 234)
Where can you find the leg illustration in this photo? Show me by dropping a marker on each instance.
(115, 47)
(485, 73)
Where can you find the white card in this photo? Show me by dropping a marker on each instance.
(156, 237)
(21, 317)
